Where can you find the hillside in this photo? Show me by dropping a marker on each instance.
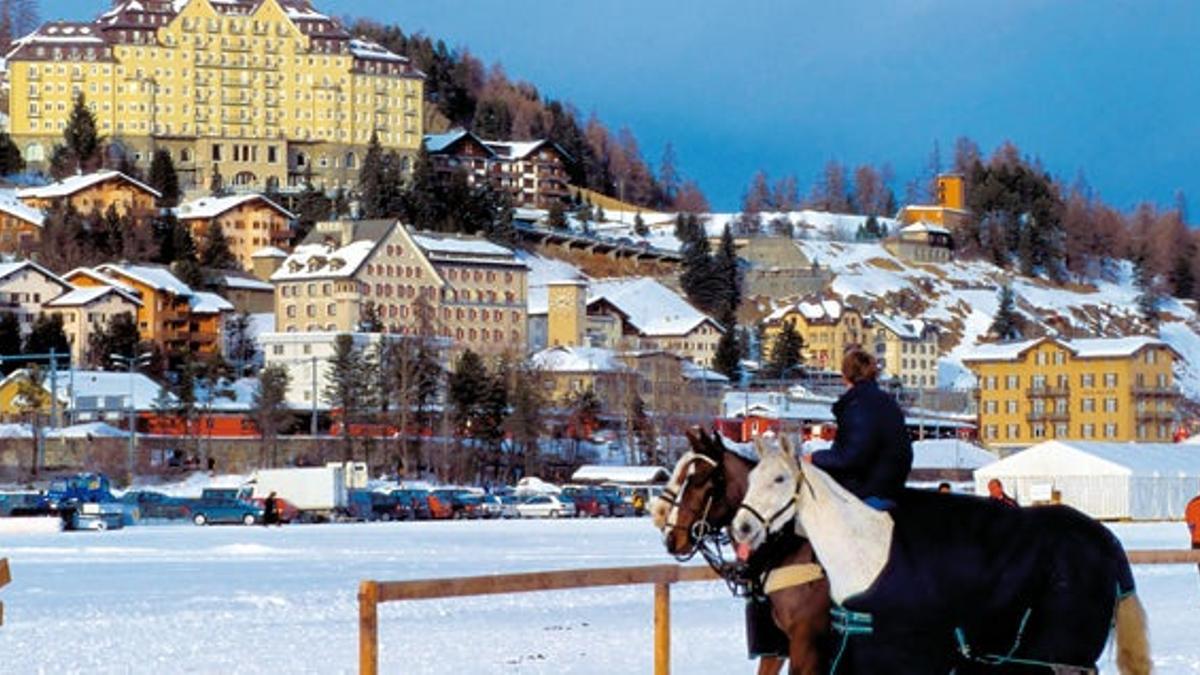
(960, 297)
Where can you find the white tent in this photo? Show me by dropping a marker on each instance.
(1138, 481)
(626, 475)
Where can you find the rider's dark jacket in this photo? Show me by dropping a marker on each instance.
(871, 454)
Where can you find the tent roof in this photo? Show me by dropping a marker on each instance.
(1075, 458)
(621, 474)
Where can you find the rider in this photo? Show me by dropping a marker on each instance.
(871, 454)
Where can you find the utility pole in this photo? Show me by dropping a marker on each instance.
(132, 363)
(313, 424)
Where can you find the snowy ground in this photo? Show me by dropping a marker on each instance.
(182, 599)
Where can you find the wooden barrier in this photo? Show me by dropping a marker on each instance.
(5, 579)
(371, 593)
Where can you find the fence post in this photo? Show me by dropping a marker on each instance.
(662, 628)
(368, 628)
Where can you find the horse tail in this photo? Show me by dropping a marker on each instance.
(1133, 637)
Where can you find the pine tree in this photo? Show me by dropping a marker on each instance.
(556, 217)
(62, 163)
(526, 419)
(727, 360)
(373, 192)
(347, 389)
(645, 440)
(269, 410)
(639, 225)
(786, 352)
(214, 250)
(81, 138)
(11, 160)
(702, 282)
(725, 266)
(1007, 324)
(120, 336)
(241, 346)
(312, 207)
(1148, 298)
(47, 335)
(164, 179)
(10, 340)
(32, 400)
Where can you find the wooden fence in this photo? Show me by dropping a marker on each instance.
(371, 593)
(5, 579)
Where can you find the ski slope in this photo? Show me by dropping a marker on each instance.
(182, 599)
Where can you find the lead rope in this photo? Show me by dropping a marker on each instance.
(995, 660)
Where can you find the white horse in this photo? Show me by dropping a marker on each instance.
(955, 580)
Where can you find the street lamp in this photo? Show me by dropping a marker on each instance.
(132, 363)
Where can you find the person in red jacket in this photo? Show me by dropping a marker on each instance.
(1192, 516)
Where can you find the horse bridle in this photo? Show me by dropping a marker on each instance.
(789, 505)
(672, 497)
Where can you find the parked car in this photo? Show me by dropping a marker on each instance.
(587, 501)
(463, 503)
(221, 505)
(617, 508)
(495, 506)
(417, 501)
(510, 506)
(24, 504)
(150, 504)
(371, 505)
(546, 506)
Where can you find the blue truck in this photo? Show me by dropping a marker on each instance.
(85, 502)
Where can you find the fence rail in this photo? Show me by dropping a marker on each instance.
(371, 593)
(5, 579)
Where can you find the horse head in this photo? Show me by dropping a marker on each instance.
(693, 502)
(773, 497)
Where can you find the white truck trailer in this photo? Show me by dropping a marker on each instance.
(318, 492)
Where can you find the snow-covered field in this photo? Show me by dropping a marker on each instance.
(181, 599)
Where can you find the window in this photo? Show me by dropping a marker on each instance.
(1039, 431)
(1059, 359)
(1010, 407)
(216, 152)
(1110, 380)
(1013, 382)
(1151, 355)
(1060, 430)
(1110, 431)
(1087, 380)
(1088, 405)
(1013, 431)
(331, 309)
(1088, 431)
(1110, 405)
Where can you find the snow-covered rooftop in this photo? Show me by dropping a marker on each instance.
(1092, 458)
(651, 307)
(85, 295)
(69, 186)
(812, 311)
(473, 246)
(949, 453)
(203, 302)
(640, 475)
(439, 142)
(246, 283)
(373, 51)
(321, 261)
(1088, 348)
(905, 329)
(578, 360)
(99, 389)
(17, 209)
(9, 268)
(211, 207)
(269, 252)
(923, 227)
(157, 277)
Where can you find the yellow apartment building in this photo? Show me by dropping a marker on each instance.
(95, 192)
(171, 315)
(250, 223)
(1119, 389)
(906, 349)
(261, 92)
(474, 289)
(826, 326)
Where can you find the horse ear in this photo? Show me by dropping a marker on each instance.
(693, 436)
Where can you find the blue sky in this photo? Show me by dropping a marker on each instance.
(1106, 88)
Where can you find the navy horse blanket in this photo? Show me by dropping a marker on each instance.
(1038, 584)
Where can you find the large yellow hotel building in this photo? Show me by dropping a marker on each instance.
(265, 92)
(1120, 389)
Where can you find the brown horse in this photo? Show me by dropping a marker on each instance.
(704, 493)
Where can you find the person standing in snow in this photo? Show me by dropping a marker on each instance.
(871, 454)
(270, 510)
(996, 492)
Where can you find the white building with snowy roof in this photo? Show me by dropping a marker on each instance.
(827, 326)
(907, 349)
(642, 313)
(1112, 481)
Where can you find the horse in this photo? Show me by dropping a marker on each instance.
(953, 581)
(699, 501)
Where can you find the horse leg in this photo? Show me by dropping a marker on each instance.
(770, 665)
(802, 612)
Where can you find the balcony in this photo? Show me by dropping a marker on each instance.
(1049, 416)
(1155, 391)
(1048, 392)
(1155, 415)
(233, 82)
